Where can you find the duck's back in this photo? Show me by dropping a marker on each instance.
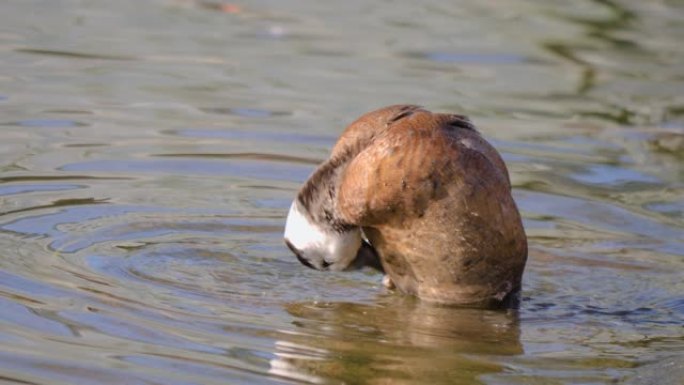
(434, 199)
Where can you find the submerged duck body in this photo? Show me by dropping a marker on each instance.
(430, 195)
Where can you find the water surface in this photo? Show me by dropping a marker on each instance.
(149, 152)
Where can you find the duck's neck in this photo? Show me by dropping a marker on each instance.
(314, 230)
(318, 196)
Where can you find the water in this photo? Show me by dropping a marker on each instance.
(149, 151)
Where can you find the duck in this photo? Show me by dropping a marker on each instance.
(422, 197)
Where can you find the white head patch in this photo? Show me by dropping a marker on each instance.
(317, 246)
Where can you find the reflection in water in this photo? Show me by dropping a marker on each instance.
(609, 28)
(71, 55)
(618, 18)
(396, 341)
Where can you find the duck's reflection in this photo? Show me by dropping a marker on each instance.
(397, 340)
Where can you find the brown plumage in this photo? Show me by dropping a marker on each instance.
(434, 200)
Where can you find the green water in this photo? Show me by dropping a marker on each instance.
(149, 151)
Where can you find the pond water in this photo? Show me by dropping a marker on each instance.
(149, 151)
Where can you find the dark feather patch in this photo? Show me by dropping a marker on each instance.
(403, 112)
(461, 121)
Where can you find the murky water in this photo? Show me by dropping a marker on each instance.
(149, 151)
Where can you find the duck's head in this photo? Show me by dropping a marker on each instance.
(320, 244)
(316, 231)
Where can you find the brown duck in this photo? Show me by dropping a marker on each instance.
(423, 193)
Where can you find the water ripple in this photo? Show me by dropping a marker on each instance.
(243, 169)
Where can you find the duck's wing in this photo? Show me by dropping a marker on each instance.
(417, 159)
